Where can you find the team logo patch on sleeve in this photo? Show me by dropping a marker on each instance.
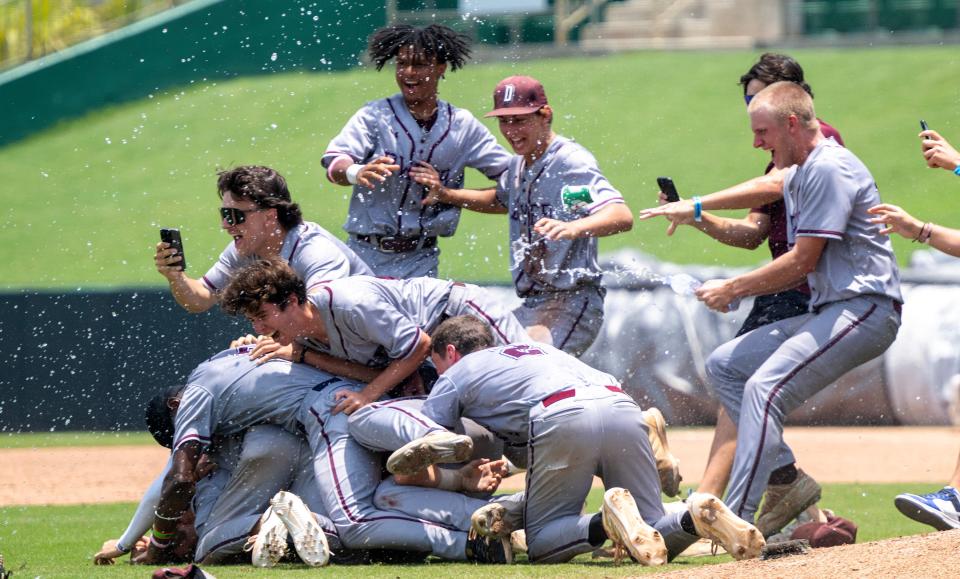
(577, 197)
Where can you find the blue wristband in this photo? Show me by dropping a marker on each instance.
(957, 171)
(697, 210)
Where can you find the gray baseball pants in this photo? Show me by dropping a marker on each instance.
(765, 374)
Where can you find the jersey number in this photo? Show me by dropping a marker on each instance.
(516, 352)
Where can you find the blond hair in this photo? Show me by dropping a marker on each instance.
(785, 99)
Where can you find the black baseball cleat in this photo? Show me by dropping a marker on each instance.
(492, 551)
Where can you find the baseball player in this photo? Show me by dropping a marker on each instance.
(386, 142)
(381, 326)
(855, 292)
(558, 204)
(257, 212)
(575, 422)
(764, 223)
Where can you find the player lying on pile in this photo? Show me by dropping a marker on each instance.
(575, 423)
(379, 328)
(257, 211)
(230, 393)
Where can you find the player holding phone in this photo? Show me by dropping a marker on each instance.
(256, 210)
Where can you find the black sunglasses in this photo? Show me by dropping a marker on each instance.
(234, 216)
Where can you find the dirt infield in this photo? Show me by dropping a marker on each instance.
(121, 473)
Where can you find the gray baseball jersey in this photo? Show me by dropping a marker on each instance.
(385, 127)
(373, 321)
(229, 393)
(312, 251)
(828, 196)
(532, 193)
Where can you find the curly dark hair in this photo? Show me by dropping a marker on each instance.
(263, 186)
(466, 333)
(433, 41)
(773, 68)
(266, 281)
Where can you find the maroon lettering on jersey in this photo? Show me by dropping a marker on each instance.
(520, 350)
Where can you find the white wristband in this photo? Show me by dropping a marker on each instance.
(352, 172)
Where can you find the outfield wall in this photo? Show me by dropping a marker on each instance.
(198, 42)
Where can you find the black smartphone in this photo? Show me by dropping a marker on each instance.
(923, 125)
(172, 236)
(667, 187)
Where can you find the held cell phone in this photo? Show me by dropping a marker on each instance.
(172, 236)
(669, 190)
(923, 125)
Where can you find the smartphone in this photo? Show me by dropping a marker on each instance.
(668, 189)
(923, 125)
(172, 236)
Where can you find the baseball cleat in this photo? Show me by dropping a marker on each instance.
(434, 448)
(269, 545)
(487, 550)
(628, 532)
(783, 503)
(668, 466)
(714, 521)
(308, 537)
(489, 521)
(940, 510)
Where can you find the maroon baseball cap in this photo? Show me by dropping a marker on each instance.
(517, 95)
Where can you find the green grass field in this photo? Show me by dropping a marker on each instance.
(84, 200)
(54, 542)
(59, 541)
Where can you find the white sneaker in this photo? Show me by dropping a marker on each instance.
(434, 448)
(628, 532)
(308, 536)
(269, 545)
(714, 521)
(489, 521)
(668, 466)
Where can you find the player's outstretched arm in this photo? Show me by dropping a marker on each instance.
(478, 476)
(191, 294)
(612, 219)
(349, 401)
(178, 489)
(938, 152)
(480, 200)
(783, 273)
(343, 171)
(896, 220)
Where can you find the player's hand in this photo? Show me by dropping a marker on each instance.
(167, 261)
(267, 349)
(244, 341)
(483, 475)
(678, 213)
(377, 171)
(424, 174)
(554, 229)
(108, 553)
(151, 556)
(205, 467)
(895, 220)
(938, 152)
(717, 294)
(349, 401)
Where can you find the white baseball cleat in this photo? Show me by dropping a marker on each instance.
(489, 521)
(435, 448)
(628, 531)
(308, 537)
(714, 521)
(668, 466)
(269, 545)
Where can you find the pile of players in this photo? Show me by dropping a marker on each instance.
(377, 408)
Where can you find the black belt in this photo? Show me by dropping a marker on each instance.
(395, 244)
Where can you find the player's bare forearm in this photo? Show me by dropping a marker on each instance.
(339, 366)
(747, 233)
(479, 200)
(945, 239)
(192, 294)
(786, 272)
(753, 193)
(178, 488)
(612, 219)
